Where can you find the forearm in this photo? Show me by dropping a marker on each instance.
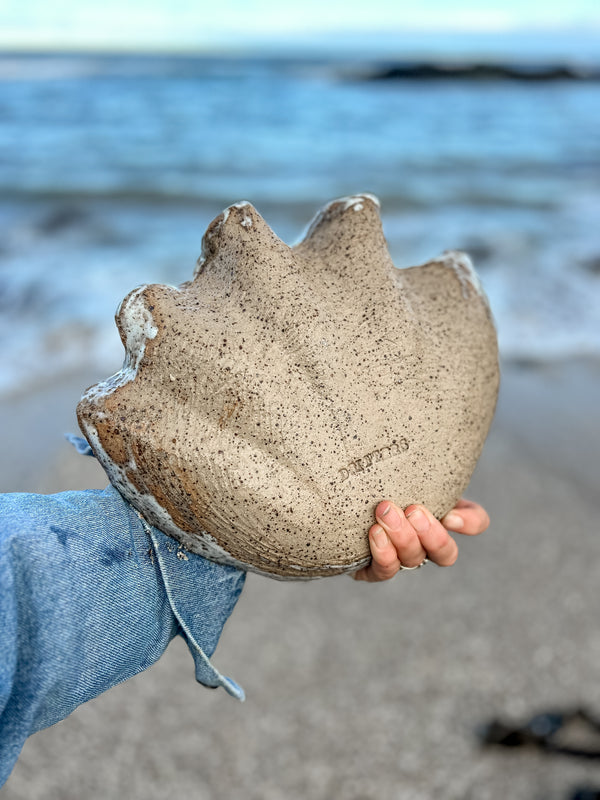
(90, 596)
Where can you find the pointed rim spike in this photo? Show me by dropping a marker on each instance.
(340, 205)
(210, 241)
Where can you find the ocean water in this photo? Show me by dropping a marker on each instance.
(111, 167)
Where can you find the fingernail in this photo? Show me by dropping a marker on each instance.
(380, 538)
(453, 521)
(418, 519)
(389, 517)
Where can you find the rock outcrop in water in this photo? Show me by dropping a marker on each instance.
(528, 73)
(266, 406)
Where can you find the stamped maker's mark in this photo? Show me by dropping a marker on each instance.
(365, 462)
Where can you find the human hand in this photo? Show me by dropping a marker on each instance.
(406, 538)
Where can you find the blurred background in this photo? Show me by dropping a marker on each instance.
(125, 128)
(116, 154)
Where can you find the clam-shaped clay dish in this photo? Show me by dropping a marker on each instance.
(266, 406)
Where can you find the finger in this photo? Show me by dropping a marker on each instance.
(435, 539)
(401, 533)
(384, 562)
(467, 517)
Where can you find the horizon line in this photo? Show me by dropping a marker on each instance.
(302, 40)
(299, 46)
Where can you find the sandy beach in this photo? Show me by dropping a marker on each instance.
(356, 691)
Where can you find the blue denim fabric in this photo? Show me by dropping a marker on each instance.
(90, 595)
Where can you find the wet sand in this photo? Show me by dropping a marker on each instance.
(357, 691)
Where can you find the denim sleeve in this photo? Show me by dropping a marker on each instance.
(90, 595)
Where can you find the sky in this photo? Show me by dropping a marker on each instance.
(204, 24)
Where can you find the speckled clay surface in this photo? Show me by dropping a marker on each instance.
(265, 407)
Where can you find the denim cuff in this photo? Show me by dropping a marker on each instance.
(202, 595)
